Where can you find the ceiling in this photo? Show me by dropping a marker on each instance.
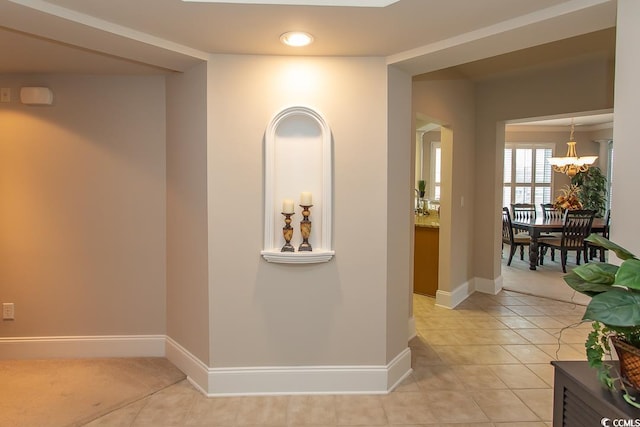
(585, 122)
(582, 122)
(419, 36)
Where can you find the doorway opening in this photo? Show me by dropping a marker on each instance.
(432, 219)
(527, 180)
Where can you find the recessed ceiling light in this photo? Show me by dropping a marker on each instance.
(296, 38)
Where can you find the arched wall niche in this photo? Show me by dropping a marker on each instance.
(298, 158)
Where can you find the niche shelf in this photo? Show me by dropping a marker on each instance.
(298, 158)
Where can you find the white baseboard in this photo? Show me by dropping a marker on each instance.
(218, 381)
(247, 381)
(451, 299)
(197, 371)
(488, 286)
(82, 346)
(398, 369)
(309, 379)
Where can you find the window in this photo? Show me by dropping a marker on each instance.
(435, 171)
(527, 174)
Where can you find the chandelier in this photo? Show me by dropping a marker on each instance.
(571, 164)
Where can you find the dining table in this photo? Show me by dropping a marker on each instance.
(537, 226)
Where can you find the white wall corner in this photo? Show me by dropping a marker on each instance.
(489, 286)
(82, 346)
(452, 299)
(399, 369)
(412, 328)
(197, 371)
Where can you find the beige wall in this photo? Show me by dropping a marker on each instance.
(82, 217)
(399, 211)
(586, 86)
(331, 313)
(451, 103)
(602, 136)
(626, 174)
(187, 242)
(168, 235)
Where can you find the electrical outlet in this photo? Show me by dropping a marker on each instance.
(5, 94)
(8, 311)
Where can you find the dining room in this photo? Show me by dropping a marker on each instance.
(537, 196)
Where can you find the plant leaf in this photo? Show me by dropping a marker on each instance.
(629, 274)
(579, 284)
(620, 252)
(617, 307)
(630, 400)
(596, 272)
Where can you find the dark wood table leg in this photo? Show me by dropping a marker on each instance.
(533, 251)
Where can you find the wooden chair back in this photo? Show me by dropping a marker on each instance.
(577, 226)
(523, 211)
(550, 212)
(507, 229)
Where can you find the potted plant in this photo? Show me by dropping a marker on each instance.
(614, 310)
(593, 190)
(422, 187)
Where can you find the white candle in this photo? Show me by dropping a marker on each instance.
(287, 206)
(305, 198)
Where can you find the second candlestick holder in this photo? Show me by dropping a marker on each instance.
(305, 229)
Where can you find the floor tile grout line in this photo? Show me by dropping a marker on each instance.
(535, 345)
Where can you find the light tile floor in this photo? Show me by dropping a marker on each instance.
(484, 364)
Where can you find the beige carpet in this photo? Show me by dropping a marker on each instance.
(71, 392)
(547, 281)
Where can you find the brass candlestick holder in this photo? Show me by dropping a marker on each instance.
(287, 232)
(305, 229)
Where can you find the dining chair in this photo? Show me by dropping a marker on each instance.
(576, 226)
(523, 211)
(549, 212)
(596, 248)
(512, 239)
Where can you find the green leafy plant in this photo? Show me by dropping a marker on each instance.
(422, 187)
(593, 190)
(614, 308)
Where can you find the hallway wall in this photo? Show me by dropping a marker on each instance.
(626, 174)
(452, 103)
(333, 313)
(82, 217)
(578, 87)
(187, 212)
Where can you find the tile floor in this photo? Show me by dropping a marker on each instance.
(484, 364)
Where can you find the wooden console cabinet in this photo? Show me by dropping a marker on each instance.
(580, 400)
